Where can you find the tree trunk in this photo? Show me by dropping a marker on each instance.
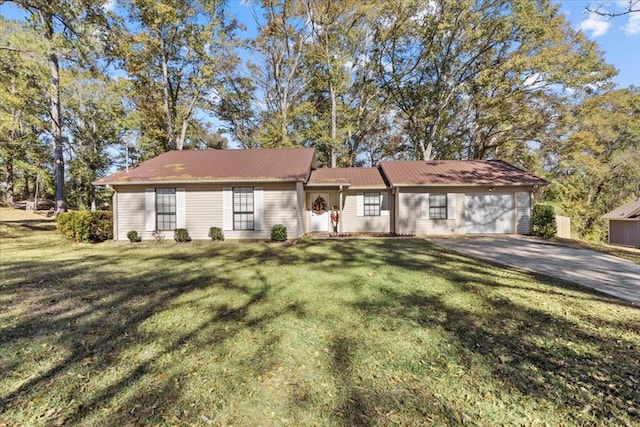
(26, 191)
(167, 98)
(56, 131)
(283, 124)
(334, 125)
(9, 160)
(56, 115)
(9, 167)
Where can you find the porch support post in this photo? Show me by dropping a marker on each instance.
(340, 210)
(396, 209)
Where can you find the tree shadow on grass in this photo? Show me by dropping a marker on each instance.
(94, 314)
(587, 372)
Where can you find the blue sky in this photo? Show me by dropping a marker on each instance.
(618, 37)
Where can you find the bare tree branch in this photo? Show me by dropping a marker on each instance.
(633, 6)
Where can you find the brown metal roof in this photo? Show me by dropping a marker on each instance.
(630, 210)
(355, 177)
(276, 164)
(453, 172)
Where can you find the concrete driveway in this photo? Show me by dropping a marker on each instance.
(606, 273)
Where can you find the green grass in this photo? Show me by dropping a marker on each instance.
(333, 332)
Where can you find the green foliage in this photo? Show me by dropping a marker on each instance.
(595, 161)
(216, 233)
(93, 115)
(174, 59)
(133, 236)
(543, 221)
(278, 233)
(181, 235)
(86, 226)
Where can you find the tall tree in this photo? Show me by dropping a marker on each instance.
(596, 163)
(336, 28)
(473, 76)
(176, 54)
(66, 28)
(22, 106)
(281, 45)
(95, 121)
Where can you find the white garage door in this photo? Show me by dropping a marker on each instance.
(488, 213)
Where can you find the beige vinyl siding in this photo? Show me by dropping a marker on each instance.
(351, 223)
(523, 212)
(411, 221)
(410, 208)
(280, 207)
(131, 212)
(204, 209)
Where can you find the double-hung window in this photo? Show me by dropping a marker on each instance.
(243, 208)
(372, 204)
(437, 206)
(165, 209)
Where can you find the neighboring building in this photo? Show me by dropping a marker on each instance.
(624, 224)
(246, 192)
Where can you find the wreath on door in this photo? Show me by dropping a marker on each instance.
(319, 205)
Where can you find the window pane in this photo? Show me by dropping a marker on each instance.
(371, 204)
(437, 206)
(243, 208)
(165, 209)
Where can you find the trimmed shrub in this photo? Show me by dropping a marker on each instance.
(543, 221)
(216, 233)
(181, 235)
(86, 226)
(133, 236)
(278, 233)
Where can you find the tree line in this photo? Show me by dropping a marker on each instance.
(93, 85)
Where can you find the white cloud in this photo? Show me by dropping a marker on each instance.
(109, 5)
(597, 24)
(633, 25)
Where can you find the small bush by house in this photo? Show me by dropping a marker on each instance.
(216, 233)
(181, 235)
(133, 236)
(543, 221)
(86, 226)
(278, 233)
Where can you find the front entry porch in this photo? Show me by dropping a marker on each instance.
(319, 206)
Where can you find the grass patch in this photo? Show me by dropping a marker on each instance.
(630, 254)
(348, 332)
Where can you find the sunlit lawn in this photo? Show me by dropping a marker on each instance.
(333, 332)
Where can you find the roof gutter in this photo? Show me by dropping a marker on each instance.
(515, 184)
(198, 181)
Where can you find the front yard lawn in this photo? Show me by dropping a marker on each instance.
(333, 332)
